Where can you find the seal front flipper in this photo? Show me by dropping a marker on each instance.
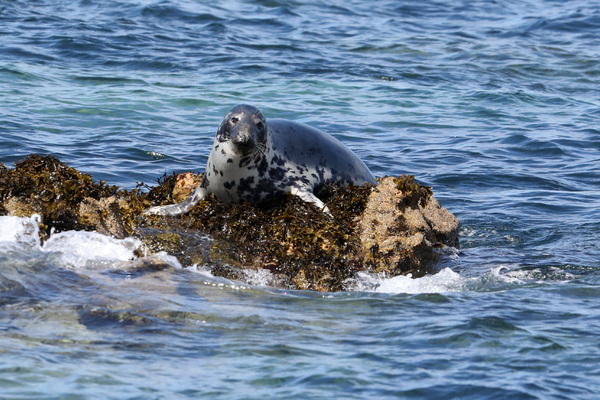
(181, 208)
(310, 197)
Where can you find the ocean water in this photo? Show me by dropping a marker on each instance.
(495, 104)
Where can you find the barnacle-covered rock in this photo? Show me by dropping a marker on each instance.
(394, 227)
(401, 226)
(104, 215)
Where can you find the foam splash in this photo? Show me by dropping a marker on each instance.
(17, 230)
(73, 249)
(262, 277)
(79, 248)
(445, 281)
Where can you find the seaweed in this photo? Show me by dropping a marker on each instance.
(415, 194)
(286, 236)
(53, 187)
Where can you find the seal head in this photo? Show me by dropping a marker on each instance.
(245, 127)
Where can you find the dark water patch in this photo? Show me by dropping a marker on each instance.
(545, 203)
(108, 80)
(265, 23)
(467, 391)
(519, 97)
(459, 340)
(578, 22)
(164, 12)
(37, 281)
(13, 73)
(486, 179)
(19, 53)
(165, 64)
(11, 292)
(396, 48)
(578, 292)
(108, 319)
(436, 298)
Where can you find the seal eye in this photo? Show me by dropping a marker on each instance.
(259, 125)
(234, 120)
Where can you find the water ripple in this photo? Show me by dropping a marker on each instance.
(494, 104)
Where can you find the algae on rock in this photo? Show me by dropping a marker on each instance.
(394, 227)
(50, 188)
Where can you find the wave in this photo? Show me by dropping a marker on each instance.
(76, 250)
(69, 249)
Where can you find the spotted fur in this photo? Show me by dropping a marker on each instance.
(254, 162)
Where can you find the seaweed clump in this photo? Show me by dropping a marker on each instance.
(51, 188)
(303, 247)
(413, 193)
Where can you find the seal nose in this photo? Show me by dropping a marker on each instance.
(244, 135)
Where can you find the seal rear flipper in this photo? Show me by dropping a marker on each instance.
(310, 197)
(181, 208)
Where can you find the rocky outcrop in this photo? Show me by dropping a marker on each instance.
(394, 227)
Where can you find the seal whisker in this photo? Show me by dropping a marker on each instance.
(261, 148)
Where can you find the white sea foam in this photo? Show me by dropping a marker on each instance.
(444, 281)
(73, 248)
(17, 230)
(258, 277)
(78, 248)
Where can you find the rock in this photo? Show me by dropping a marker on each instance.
(24, 207)
(395, 227)
(104, 215)
(398, 231)
(185, 184)
(444, 225)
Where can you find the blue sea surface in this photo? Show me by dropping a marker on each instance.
(495, 104)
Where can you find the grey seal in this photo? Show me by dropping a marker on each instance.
(255, 161)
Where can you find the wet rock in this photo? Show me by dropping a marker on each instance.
(185, 184)
(104, 215)
(444, 225)
(394, 227)
(24, 207)
(190, 247)
(401, 227)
